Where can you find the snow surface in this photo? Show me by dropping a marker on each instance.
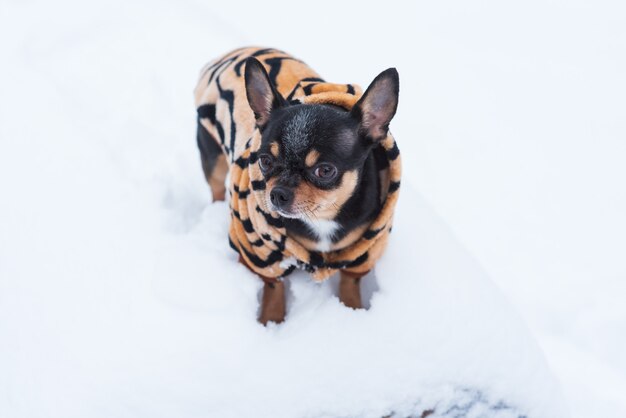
(120, 297)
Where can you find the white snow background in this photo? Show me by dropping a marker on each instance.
(501, 293)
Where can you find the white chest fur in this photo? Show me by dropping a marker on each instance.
(324, 231)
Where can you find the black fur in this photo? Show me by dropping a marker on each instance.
(335, 134)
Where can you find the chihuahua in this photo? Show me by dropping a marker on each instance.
(323, 171)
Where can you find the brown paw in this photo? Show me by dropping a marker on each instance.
(265, 319)
(350, 290)
(273, 303)
(219, 195)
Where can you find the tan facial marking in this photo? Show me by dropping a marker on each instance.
(274, 149)
(314, 203)
(311, 158)
(324, 204)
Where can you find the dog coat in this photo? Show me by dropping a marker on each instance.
(256, 232)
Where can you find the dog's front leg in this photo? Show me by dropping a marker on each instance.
(273, 303)
(350, 289)
(273, 299)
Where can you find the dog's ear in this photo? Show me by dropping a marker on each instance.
(262, 95)
(378, 105)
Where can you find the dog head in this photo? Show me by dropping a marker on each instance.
(312, 155)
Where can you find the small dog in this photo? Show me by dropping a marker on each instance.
(314, 172)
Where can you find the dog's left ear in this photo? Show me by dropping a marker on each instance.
(378, 105)
(262, 95)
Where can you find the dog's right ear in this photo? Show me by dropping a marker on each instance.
(378, 105)
(262, 95)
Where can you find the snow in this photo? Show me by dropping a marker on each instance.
(500, 294)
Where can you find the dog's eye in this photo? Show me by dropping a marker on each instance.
(325, 171)
(266, 162)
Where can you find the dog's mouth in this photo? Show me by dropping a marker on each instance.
(297, 211)
(286, 214)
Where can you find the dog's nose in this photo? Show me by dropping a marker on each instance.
(281, 197)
